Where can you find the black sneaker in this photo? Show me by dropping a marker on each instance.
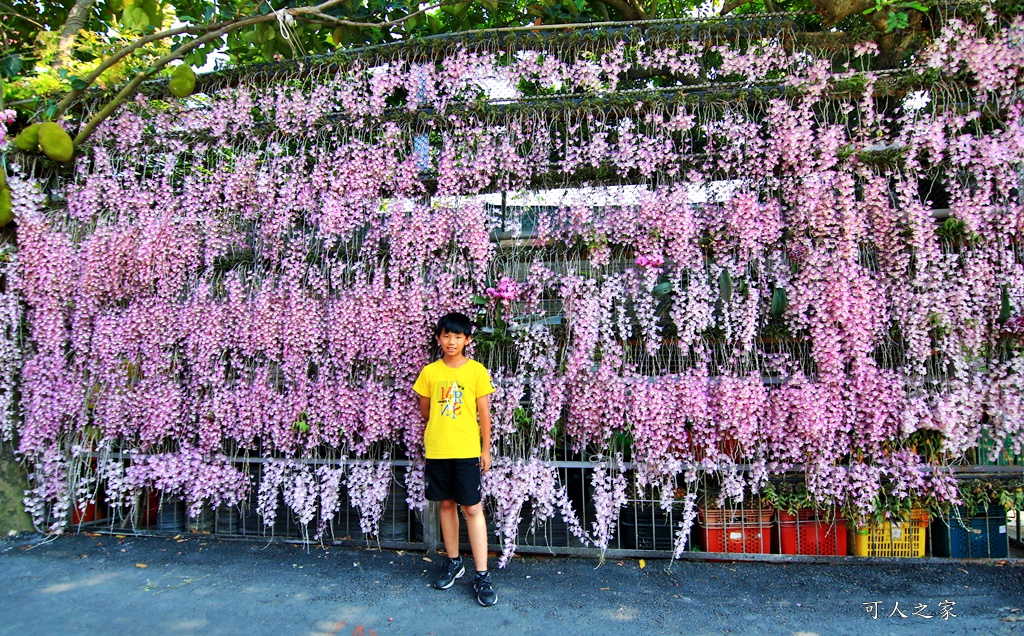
(485, 594)
(453, 569)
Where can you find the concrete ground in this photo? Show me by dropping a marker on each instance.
(194, 584)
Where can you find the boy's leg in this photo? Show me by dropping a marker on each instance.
(476, 525)
(450, 527)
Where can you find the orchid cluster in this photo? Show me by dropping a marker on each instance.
(513, 484)
(7, 118)
(505, 290)
(775, 298)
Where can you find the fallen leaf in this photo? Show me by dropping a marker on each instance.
(141, 565)
(643, 564)
(428, 559)
(963, 570)
(605, 589)
(177, 536)
(120, 536)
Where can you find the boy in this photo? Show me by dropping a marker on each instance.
(453, 394)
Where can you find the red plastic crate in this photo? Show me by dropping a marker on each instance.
(746, 530)
(807, 532)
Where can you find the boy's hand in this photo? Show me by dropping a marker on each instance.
(485, 461)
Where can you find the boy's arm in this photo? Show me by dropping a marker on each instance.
(425, 407)
(483, 409)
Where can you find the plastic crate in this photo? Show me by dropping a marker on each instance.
(808, 532)
(745, 530)
(905, 538)
(960, 536)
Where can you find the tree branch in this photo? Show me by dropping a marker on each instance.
(75, 22)
(379, 25)
(731, 5)
(220, 30)
(114, 59)
(10, 10)
(622, 7)
(642, 15)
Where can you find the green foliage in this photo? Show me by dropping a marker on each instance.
(790, 497)
(898, 18)
(978, 494)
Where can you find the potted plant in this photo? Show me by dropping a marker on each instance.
(804, 526)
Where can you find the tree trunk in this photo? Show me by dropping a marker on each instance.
(832, 11)
(76, 22)
(627, 9)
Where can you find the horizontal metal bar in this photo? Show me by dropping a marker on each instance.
(627, 465)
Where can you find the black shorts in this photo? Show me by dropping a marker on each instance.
(457, 479)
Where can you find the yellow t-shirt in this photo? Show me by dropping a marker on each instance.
(452, 430)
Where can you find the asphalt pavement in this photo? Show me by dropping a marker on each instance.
(194, 584)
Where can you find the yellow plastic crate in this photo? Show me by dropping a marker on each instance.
(887, 539)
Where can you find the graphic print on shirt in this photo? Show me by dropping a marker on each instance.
(452, 400)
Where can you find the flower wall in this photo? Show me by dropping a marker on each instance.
(255, 272)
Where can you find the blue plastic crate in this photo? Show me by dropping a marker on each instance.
(982, 536)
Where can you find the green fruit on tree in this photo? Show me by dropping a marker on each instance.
(6, 206)
(28, 139)
(183, 81)
(55, 142)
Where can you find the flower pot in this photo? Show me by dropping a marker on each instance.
(203, 523)
(171, 516)
(227, 520)
(148, 508)
(645, 528)
(86, 515)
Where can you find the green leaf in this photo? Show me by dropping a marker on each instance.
(1004, 306)
(663, 288)
(10, 65)
(480, 300)
(78, 83)
(897, 20)
(267, 32)
(779, 301)
(135, 19)
(725, 285)
(917, 6)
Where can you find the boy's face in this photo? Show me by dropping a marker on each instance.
(453, 344)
